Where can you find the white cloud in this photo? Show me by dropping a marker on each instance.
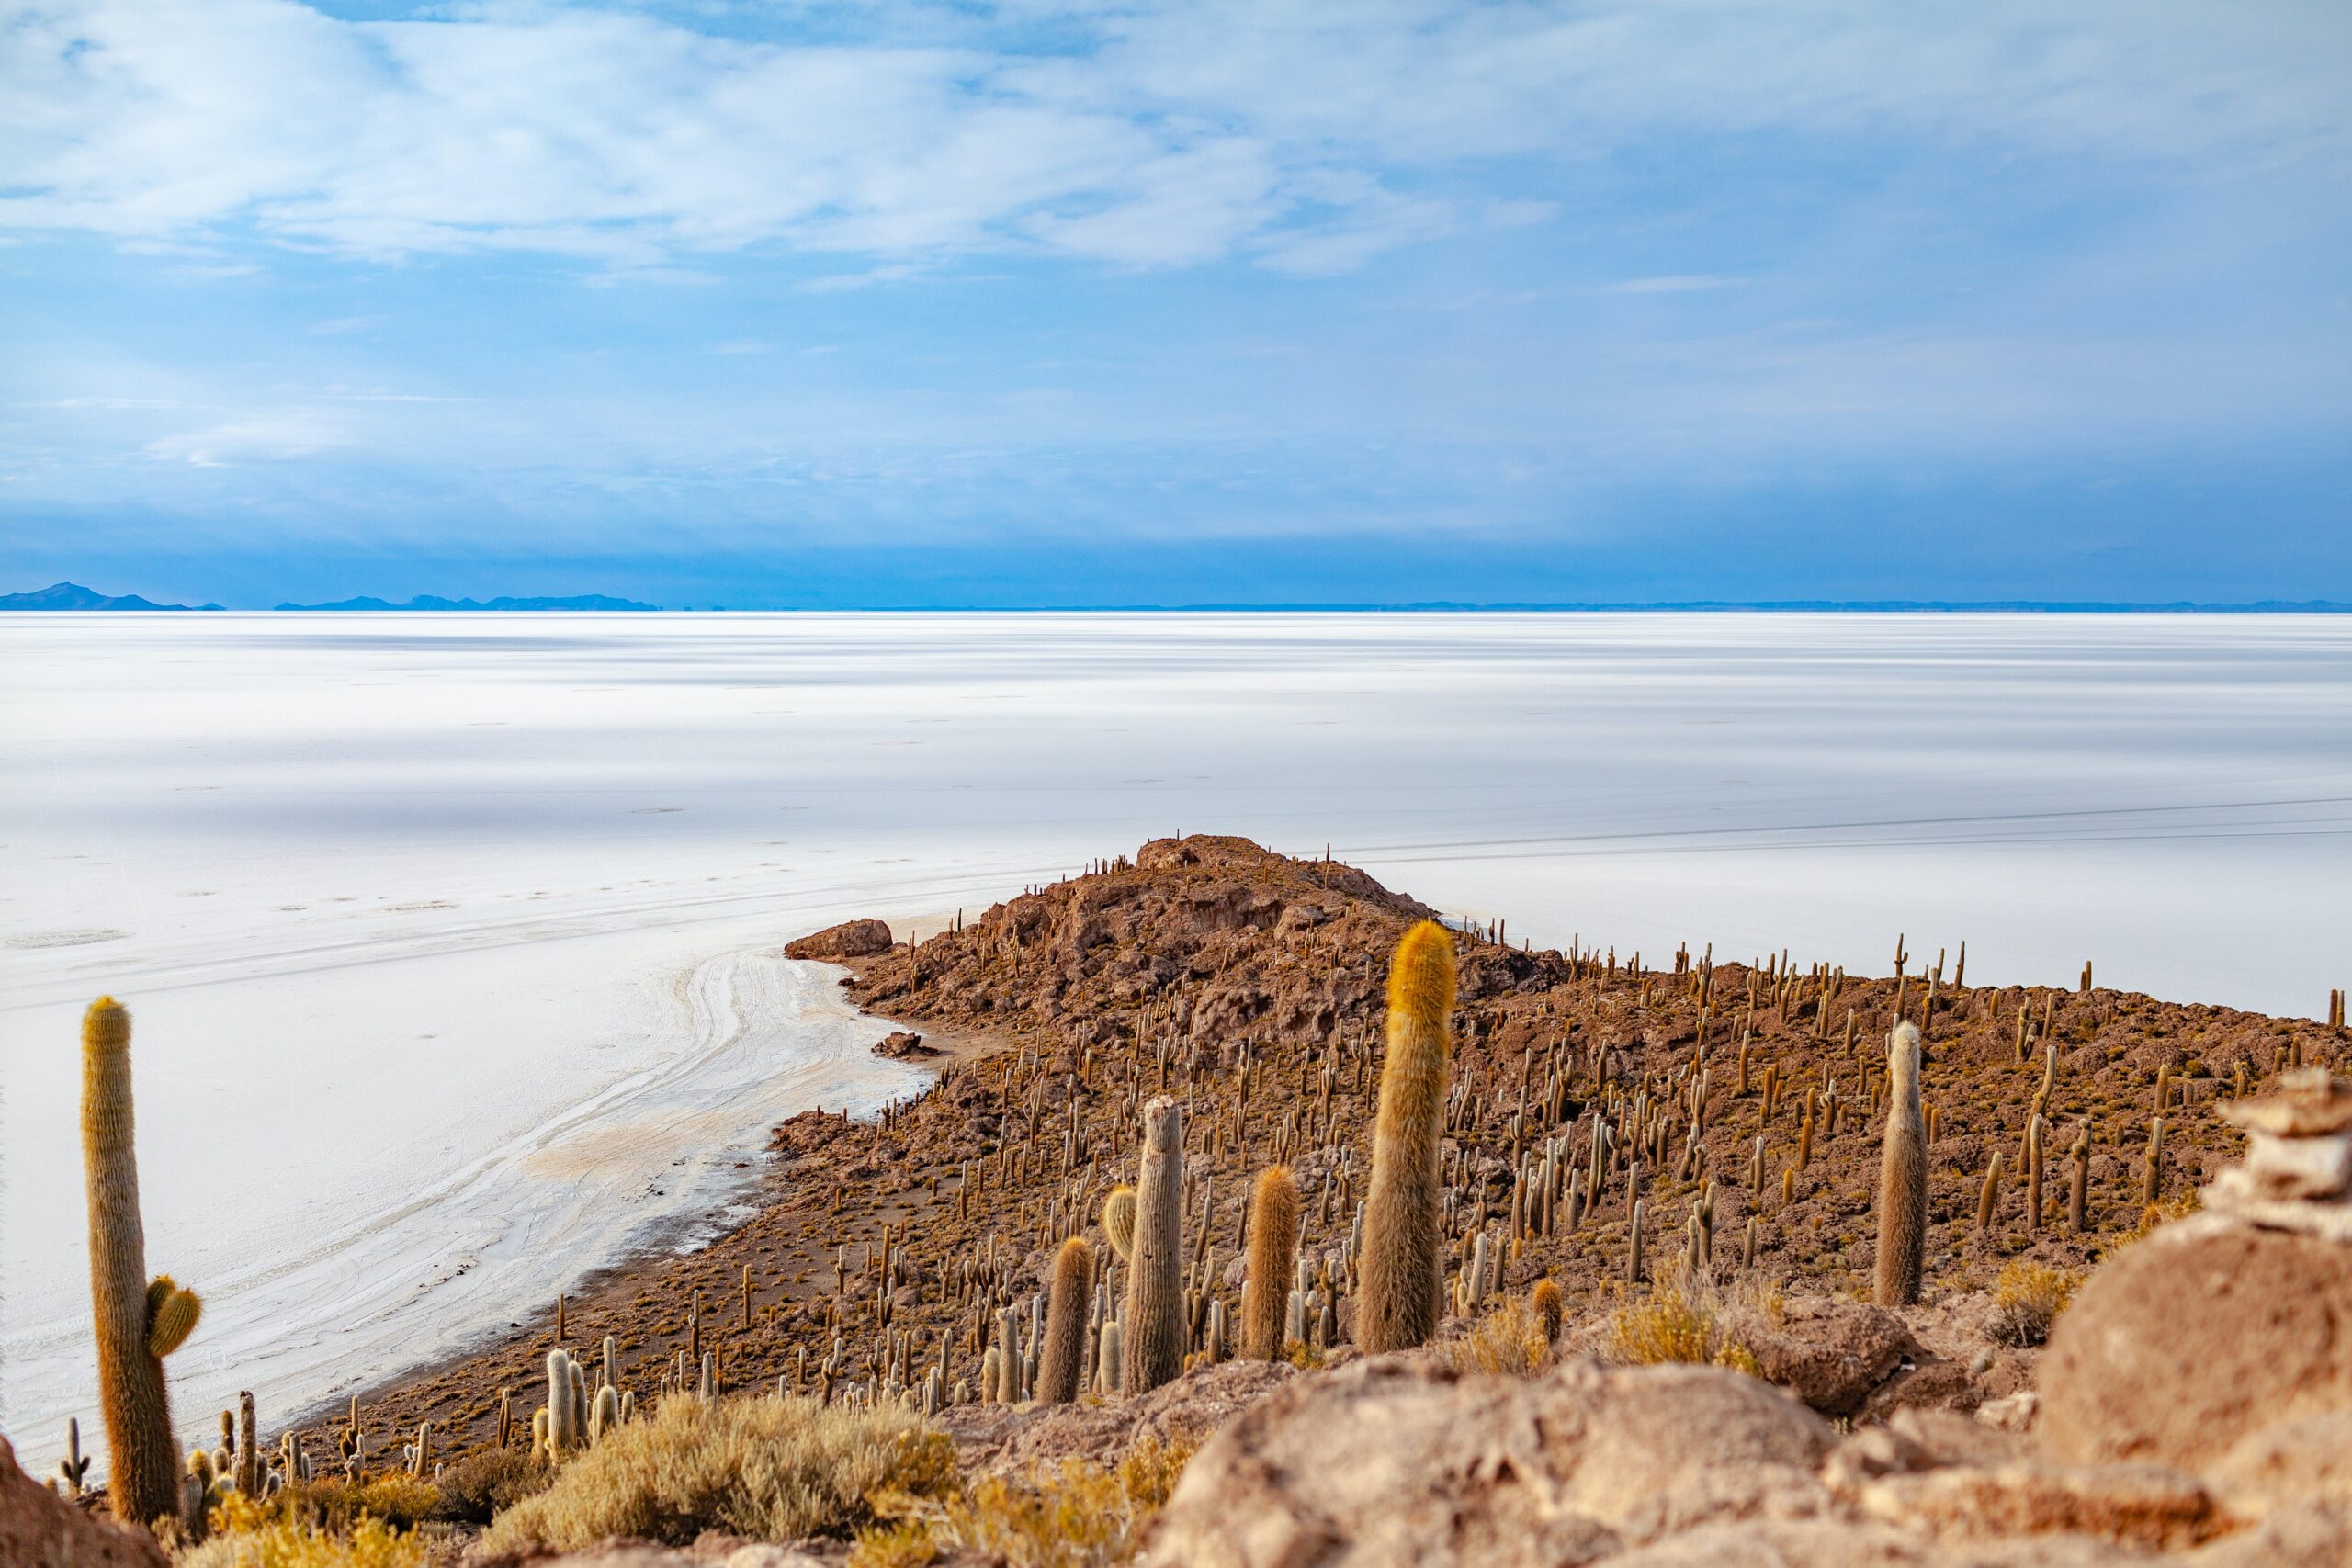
(264, 439)
(1683, 283)
(1164, 134)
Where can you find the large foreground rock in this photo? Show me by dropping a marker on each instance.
(2185, 1344)
(40, 1529)
(1392, 1461)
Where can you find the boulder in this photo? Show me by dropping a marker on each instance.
(1393, 1460)
(905, 1045)
(850, 939)
(1833, 1353)
(2180, 1347)
(40, 1529)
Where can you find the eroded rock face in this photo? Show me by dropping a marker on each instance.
(2183, 1345)
(850, 939)
(40, 1529)
(1389, 1461)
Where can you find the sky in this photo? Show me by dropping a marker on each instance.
(1090, 304)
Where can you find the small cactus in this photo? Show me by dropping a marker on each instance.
(1401, 1295)
(1274, 1249)
(1549, 1309)
(1119, 1222)
(1073, 1286)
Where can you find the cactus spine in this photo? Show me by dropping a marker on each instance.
(1274, 1250)
(1402, 1290)
(1065, 1353)
(1119, 1221)
(1902, 1177)
(1154, 1320)
(138, 1322)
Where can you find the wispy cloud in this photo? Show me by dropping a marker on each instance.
(270, 439)
(1142, 135)
(1685, 283)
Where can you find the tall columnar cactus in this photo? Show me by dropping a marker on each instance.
(1119, 1221)
(1273, 1251)
(138, 1322)
(1402, 1292)
(1153, 1320)
(1065, 1355)
(1902, 1177)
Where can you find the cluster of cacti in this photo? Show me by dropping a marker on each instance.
(1614, 1150)
(237, 1466)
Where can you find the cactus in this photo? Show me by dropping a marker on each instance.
(137, 1322)
(1402, 1290)
(1989, 1194)
(1119, 1222)
(1156, 1327)
(605, 1415)
(562, 1413)
(1274, 1249)
(248, 1446)
(74, 1470)
(1109, 1372)
(1073, 1288)
(1550, 1310)
(1902, 1177)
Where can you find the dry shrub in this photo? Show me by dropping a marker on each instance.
(2027, 1298)
(482, 1485)
(1688, 1317)
(1508, 1341)
(1080, 1515)
(767, 1468)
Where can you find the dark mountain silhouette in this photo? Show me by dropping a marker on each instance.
(73, 596)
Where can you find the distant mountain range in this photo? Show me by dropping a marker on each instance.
(73, 596)
(504, 603)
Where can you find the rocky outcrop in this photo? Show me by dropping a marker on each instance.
(850, 939)
(40, 1529)
(906, 1045)
(2190, 1342)
(1391, 1461)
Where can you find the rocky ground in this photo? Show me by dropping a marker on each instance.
(1251, 987)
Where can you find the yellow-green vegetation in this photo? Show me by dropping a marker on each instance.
(247, 1533)
(1510, 1341)
(1691, 1319)
(767, 1468)
(1080, 1515)
(2027, 1298)
(336, 1506)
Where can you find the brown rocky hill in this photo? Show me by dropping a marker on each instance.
(1250, 986)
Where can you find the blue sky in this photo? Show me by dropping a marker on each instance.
(1103, 303)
